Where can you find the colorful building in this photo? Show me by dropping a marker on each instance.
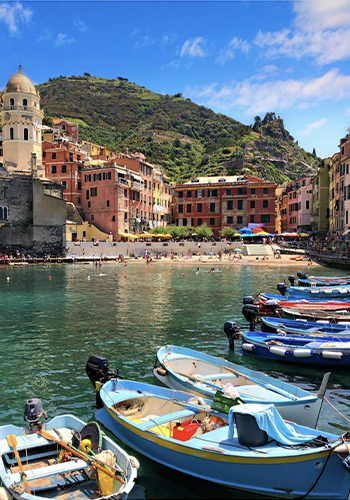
(226, 201)
(344, 161)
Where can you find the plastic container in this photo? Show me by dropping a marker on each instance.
(248, 432)
(185, 430)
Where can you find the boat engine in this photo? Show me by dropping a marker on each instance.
(301, 275)
(291, 280)
(232, 333)
(282, 288)
(251, 314)
(273, 305)
(33, 411)
(97, 369)
(248, 299)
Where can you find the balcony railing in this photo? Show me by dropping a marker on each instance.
(24, 108)
(138, 186)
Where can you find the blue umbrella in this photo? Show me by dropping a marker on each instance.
(245, 230)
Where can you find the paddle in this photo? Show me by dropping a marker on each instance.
(12, 441)
(79, 454)
(198, 379)
(259, 382)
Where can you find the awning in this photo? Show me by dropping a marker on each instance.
(345, 233)
(136, 177)
(128, 235)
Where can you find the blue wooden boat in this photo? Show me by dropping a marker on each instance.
(299, 298)
(306, 349)
(64, 458)
(301, 327)
(198, 373)
(324, 292)
(307, 280)
(278, 459)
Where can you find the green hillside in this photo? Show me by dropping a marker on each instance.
(185, 139)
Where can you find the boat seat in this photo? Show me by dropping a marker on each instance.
(217, 376)
(60, 468)
(164, 419)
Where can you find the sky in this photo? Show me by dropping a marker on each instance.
(239, 58)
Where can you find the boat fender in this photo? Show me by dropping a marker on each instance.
(303, 353)
(279, 351)
(162, 371)
(5, 494)
(346, 463)
(134, 462)
(332, 354)
(248, 347)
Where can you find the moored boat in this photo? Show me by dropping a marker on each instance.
(301, 327)
(198, 373)
(62, 459)
(238, 450)
(324, 292)
(306, 349)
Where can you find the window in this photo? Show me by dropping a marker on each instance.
(239, 220)
(25, 134)
(25, 103)
(181, 194)
(11, 133)
(64, 184)
(125, 217)
(79, 200)
(211, 207)
(189, 208)
(230, 219)
(199, 222)
(265, 203)
(212, 221)
(227, 191)
(79, 185)
(265, 218)
(240, 205)
(266, 190)
(240, 190)
(252, 204)
(88, 178)
(89, 204)
(12, 102)
(252, 191)
(53, 156)
(113, 218)
(107, 202)
(54, 169)
(213, 192)
(308, 204)
(181, 209)
(252, 218)
(70, 156)
(189, 194)
(125, 193)
(3, 213)
(92, 217)
(87, 194)
(199, 208)
(230, 205)
(93, 191)
(199, 193)
(145, 183)
(64, 169)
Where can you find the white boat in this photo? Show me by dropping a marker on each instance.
(62, 459)
(199, 373)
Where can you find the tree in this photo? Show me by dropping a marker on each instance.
(204, 231)
(228, 232)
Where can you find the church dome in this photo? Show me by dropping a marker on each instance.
(19, 82)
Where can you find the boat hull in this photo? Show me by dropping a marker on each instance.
(273, 476)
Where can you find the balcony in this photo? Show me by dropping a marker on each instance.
(23, 108)
(122, 182)
(136, 186)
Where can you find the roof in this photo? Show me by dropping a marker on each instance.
(217, 179)
(19, 82)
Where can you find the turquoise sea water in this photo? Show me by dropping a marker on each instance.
(54, 318)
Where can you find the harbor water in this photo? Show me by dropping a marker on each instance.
(54, 317)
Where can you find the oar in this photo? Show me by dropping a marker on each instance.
(259, 382)
(12, 441)
(198, 379)
(79, 454)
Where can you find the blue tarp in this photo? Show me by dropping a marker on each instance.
(270, 421)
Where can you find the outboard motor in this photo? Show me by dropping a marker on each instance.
(273, 305)
(301, 275)
(248, 299)
(251, 314)
(97, 369)
(33, 411)
(291, 280)
(282, 288)
(232, 333)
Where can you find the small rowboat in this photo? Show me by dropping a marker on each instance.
(201, 374)
(251, 449)
(301, 327)
(306, 349)
(62, 459)
(323, 292)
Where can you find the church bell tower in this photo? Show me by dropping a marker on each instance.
(21, 126)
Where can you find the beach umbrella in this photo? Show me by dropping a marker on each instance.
(257, 230)
(304, 235)
(236, 234)
(238, 250)
(245, 230)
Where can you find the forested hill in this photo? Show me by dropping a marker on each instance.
(185, 139)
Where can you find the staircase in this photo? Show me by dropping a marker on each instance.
(259, 250)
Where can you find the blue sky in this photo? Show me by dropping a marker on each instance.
(239, 58)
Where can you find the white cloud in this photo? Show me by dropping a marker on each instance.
(313, 126)
(62, 39)
(347, 112)
(236, 44)
(45, 35)
(168, 39)
(80, 25)
(256, 98)
(193, 48)
(322, 15)
(13, 15)
(172, 65)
